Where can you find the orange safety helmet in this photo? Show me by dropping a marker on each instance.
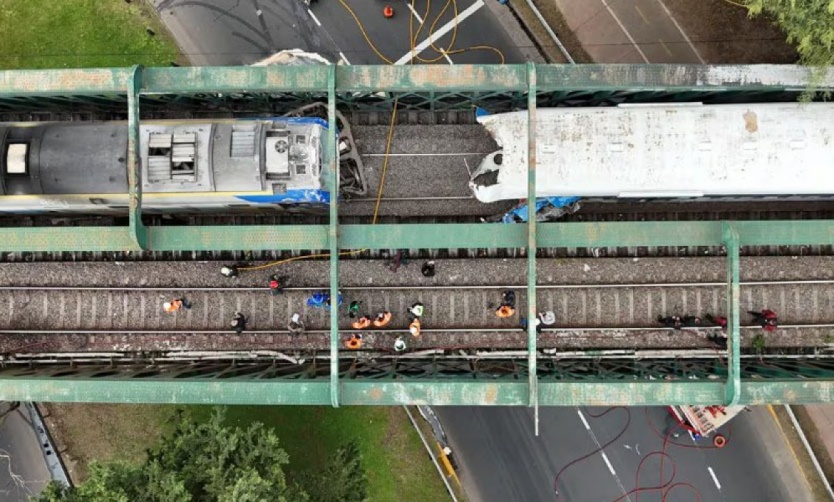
(172, 306)
(354, 342)
(361, 323)
(382, 319)
(504, 311)
(414, 327)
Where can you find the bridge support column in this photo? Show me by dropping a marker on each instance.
(532, 352)
(138, 232)
(333, 235)
(731, 242)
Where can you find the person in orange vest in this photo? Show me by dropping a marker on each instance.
(414, 327)
(354, 342)
(361, 323)
(504, 311)
(382, 319)
(176, 304)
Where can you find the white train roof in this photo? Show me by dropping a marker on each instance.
(666, 150)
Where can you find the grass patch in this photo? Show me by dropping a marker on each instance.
(82, 33)
(397, 465)
(396, 462)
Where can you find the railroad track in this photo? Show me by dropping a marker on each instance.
(602, 316)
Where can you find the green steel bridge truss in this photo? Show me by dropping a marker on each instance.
(347, 379)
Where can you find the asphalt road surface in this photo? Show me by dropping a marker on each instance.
(23, 470)
(223, 32)
(501, 459)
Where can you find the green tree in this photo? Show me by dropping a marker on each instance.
(342, 479)
(808, 24)
(199, 462)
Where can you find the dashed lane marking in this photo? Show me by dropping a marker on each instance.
(608, 463)
(683, 33)
(625, 31)
(437, 35)
(642, 16)
(314, 17)
(714, 478)
(584, 422)
(665, 47)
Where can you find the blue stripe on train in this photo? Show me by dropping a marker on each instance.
(289, 197)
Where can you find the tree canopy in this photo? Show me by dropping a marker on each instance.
(808, 24)
(212, 462)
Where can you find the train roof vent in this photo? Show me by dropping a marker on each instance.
(172, 157)
(243, 140)
(277, 154)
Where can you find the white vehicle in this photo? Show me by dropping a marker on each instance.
(676, 150)
(704, 421)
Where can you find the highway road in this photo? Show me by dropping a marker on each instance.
(23, 469)
(221, 32)
(501, 459)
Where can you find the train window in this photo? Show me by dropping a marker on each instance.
(301, 169)
(16, 155)
(301, 139)
(96, 200)
(278, 188)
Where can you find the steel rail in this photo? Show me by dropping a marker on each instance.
(799, 282)
(515, 329)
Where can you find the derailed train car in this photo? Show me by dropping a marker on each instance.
(680, 151)
(186, 166)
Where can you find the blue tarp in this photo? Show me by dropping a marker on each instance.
(519, 213)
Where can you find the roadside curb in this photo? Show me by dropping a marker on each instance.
(52, 457)
(810, 451)
(438, 464)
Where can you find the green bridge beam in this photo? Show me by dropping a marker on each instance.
(435, 392)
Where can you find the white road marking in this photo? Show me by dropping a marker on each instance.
(608, 463)
(627, 34)
(420, 20)
(437, 35)
(342, 55)
(584, 422)
(642, 16)
(714, 478)
(314, 17)
(467, 167)
(678, 26)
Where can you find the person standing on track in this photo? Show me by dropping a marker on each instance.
(361, 323)
(354, 342)
(239, 322)
(382, 319)
(400, 345)
(296, 325)
(766, 319)
(672, 321)
(354, 308)
(229, 271)
(175, 305)
(276, 284)
(416, 310)
(547, 318)
(414, 327)
(720, 321)
(427, 269)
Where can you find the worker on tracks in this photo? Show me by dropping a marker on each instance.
(229, 271)
(508, 298)
(717, 321)
(414, 327)
(296, 325)
(400, 345)
(276, 284)
(354, 308)
(505, 311)
(766, 319)
(361, 323)
(672, 321)
(239, 322)
(318, 299)
(719, 339)
(354, 342)
(547, 318)
(382, 319)
(427, 269)
(175, 305)
(416, 310)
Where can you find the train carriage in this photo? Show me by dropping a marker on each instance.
(684, 150)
